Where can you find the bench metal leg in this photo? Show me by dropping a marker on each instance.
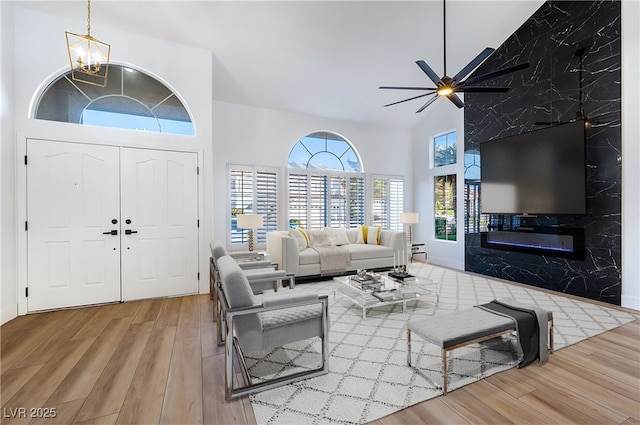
(551, 334)
(418, 371)
(444, 371)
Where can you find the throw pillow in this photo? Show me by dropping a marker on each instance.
(373, 235)
(337, 235)
(318, 237)
(362, 234)
(301, 237)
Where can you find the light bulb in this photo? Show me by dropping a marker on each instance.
(444, 90)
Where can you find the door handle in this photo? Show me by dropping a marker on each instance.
(129, 231)
(111, 232)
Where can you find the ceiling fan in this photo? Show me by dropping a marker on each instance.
(580, 114)
(447, 86)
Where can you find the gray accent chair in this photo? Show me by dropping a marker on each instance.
(254, 324)
(259, 272)
(262, 274)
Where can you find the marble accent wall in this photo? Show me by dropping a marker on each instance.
(551, 90)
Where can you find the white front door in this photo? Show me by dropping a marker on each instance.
(73, 203)
(159, 222)
(106, 224)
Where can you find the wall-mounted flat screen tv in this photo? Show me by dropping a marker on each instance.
(541, 172)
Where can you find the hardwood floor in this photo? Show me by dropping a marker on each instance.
(157, 362)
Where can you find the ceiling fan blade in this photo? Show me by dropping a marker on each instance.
(430, 73)
(497, 73)
(406, 88)
(427, 104)
(455, 99)
(474, 63)
(411, 98)
(464, 89)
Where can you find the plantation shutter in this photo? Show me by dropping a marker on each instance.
(338, 202)
(396, 203)
(267, 202)
(387, 201)
(380, 202)
(318, 200)
(357, 206)
(298, 200)
(252, 190)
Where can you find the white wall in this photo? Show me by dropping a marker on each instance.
(8, 305)
(630, 154)
(441, 117)
(256, 136)
(186, 70)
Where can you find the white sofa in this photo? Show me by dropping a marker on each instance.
(302, 261)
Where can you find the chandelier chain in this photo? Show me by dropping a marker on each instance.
(88, 17)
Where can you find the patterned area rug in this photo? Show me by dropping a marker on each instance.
(369, 377)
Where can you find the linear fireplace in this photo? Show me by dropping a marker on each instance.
(558, 242)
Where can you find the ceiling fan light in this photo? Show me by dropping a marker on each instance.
(444, 90)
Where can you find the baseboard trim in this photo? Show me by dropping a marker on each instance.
(631, 302)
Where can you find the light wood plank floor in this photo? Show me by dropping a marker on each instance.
(157, 362)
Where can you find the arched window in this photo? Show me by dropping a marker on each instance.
(326, 186)
(324, 150)
(132, 100)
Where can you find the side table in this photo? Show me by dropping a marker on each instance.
(418, 249)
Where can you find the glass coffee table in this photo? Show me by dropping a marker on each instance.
(388, 291)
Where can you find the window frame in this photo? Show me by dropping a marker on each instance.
(161, 105)
(453, 147)
(474, 221)
(454, 207)
(325, 150)
(269, 208)
(392, 207)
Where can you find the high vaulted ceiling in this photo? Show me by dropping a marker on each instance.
(324, 58)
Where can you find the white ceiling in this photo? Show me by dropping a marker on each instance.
(324, 58)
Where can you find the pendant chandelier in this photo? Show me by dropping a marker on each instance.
(88, 57)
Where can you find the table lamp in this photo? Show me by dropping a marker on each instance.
(250, 222)
(408, 219)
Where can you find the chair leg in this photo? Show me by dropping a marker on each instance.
(221, 319)
(221, 327)
(243, 362)
(211, 279)
(216, 306)
(228, 365)
(409, 347)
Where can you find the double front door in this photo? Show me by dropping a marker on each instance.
(108, 223)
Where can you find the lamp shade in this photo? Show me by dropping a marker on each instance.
(409, 218)
(249, 221)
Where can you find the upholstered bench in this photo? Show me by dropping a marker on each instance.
(458, 329)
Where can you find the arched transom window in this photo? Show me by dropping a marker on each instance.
(326, 186)
(324, 150)
(132, 100)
